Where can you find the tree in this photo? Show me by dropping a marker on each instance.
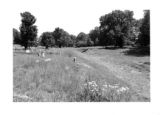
(73, 39)
(63, 38)
(133, 32)
(16, 36)
(28, 29)
(83, 40)
(47, 39)
(114, 27)
(89, 42)
(59, 35)
(144, 36)
(81, 36)
(94, 35)
(69, 40)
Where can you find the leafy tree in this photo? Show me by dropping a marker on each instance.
(73, 39)
(47, 39)
(144, 37)
(94, 35)
(90, 42)
(81, 37)
(83, 40)
(59, 35)
(28, 29)
(114, 27)
(133, 32)
(16, 36)
(63, 38)
(69, 41)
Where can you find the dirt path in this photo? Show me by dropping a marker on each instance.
(136, 79)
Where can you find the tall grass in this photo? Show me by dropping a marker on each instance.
(60, 80)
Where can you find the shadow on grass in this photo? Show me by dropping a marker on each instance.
(112, 47)
(138, 51)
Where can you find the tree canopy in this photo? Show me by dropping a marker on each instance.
(94, 35)
(28, 30)
(16, 36)
(144, 36)
(117, 28)
(47, 39)
(83, 40)
(62, 38)
(114, 27)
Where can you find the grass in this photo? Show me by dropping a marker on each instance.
(133, 69)
(62, 80)
(121, 56)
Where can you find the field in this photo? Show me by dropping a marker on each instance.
(98, 75)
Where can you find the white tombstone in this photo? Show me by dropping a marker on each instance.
(27, 51)
(48, 59)
(43, 54)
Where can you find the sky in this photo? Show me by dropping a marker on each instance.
(74, 16)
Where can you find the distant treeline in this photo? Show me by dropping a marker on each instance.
(117, 28)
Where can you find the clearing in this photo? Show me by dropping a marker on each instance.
(98, 75)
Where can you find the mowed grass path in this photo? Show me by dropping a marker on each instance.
(63, 80)
(131, 68)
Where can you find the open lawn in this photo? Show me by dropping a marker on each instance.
(97, 75)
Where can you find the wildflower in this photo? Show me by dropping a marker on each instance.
(112, 86)
(48, 59)
(122, 89)
(92, 86)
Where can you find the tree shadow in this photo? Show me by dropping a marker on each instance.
(112, 47)
(137, 51)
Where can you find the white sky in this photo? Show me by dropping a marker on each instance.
(73, 16)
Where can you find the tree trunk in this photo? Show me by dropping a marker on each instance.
(46, 47)
(25, 47)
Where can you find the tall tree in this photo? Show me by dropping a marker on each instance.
(94, 35)
(73, 39)
(144, 37)
(114, 27)
(47, 39)
(59, 35)
(16, 36)
(83, 40)
(28, 29)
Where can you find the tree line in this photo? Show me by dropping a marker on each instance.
(117, 28)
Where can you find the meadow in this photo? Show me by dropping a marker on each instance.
(96, 76)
